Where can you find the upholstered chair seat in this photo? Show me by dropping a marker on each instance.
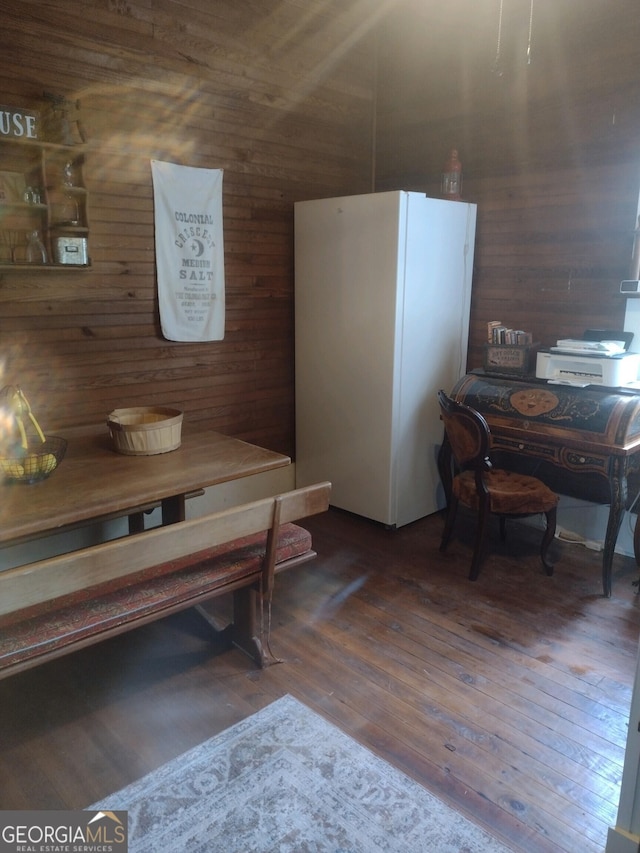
(509, 493)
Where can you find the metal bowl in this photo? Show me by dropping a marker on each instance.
(35, 463)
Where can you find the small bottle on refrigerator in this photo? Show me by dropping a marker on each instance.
(452, 176)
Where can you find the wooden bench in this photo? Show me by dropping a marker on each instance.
(55, 606)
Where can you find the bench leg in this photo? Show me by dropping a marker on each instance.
(224, 633)
(246, 629)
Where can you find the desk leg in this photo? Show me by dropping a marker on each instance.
(444, 467)
(616, 514)
(173, 509)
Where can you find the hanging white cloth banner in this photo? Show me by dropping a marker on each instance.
(189, 251)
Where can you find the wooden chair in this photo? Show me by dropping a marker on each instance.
(476, 484)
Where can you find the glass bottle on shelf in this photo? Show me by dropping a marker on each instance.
(36, 252)
(32, 195)
(69, 174)
(68, 213)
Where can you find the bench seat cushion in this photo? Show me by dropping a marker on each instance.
(43, 629)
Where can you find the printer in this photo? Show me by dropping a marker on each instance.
(599, 358)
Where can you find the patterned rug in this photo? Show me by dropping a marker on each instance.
(286, 781)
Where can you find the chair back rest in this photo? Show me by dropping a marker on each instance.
(468, 434)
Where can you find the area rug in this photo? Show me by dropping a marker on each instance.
(286, 781)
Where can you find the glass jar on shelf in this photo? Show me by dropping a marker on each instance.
(36, 252)
(69, 213)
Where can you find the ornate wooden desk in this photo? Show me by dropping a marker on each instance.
(582, 442)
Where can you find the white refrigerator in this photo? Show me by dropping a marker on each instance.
(382, 297)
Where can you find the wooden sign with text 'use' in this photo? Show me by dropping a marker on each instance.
(18, 123)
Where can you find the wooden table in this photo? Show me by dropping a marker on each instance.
(94, 482)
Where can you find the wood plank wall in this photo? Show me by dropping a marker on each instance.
(279, 95)
(550, 149)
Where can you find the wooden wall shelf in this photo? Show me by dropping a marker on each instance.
(24, 267)
(42, 189)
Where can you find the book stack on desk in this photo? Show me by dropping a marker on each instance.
(498, 333)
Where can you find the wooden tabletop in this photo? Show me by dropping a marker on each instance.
(93, 481)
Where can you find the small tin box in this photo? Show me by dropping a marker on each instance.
(71, 250)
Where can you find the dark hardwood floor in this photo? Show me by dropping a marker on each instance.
(508, 697)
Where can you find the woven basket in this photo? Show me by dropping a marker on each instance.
(145, 430)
